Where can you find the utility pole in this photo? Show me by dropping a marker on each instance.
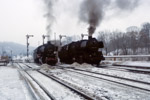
(11, 57)
(60, 36)
(27, 36)
(44, 37)
(11, 54)
(55, 37)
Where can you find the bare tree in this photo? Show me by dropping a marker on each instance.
(145, 36)
(105, 37)
(131, 42)
(133, 33)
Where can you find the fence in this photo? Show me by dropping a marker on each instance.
(128, 58)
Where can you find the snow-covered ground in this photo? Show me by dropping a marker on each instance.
(129, 63)
(137, 63)
(103, 88)
(13, 87)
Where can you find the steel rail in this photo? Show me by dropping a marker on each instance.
(45, 91)
(148, 90)
(64, 84)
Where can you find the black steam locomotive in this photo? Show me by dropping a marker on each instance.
(83, 51)
(45, 53)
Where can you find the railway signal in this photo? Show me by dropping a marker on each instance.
(28, 36)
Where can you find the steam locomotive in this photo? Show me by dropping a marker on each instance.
(46, 53)
(83, 51)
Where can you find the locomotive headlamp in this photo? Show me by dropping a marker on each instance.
(55, 52)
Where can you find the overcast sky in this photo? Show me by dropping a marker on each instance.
(21, 17)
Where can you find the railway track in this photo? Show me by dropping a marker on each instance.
(74, 90)
(112, 78)
(116, 79)
(113, 72)
(135, 69)
(29, 80)
(89, 83)
(124, 83)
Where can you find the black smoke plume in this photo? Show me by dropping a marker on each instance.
(91, 12)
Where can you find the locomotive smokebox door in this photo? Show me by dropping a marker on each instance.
(101, 45)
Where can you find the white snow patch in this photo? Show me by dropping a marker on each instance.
(137, 63)
(57, 90)
(101, 88)
(11, 85)
(81, 65)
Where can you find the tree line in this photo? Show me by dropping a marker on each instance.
(132, 42)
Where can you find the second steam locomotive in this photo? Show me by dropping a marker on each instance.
(83, 51)
(45, 53)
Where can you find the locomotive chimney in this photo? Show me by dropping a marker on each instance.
(91, 30)
(48, 42)
(90, 37)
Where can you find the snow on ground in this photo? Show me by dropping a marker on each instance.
(130, 75)
(57, 90)
(125, 74)
(12, 86)
(111, 91)
(137, 63)
(129, 63)
(100, 88)
(108, 62)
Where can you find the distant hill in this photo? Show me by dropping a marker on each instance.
(17, 49)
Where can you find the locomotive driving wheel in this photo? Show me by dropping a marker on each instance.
(79, 59)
